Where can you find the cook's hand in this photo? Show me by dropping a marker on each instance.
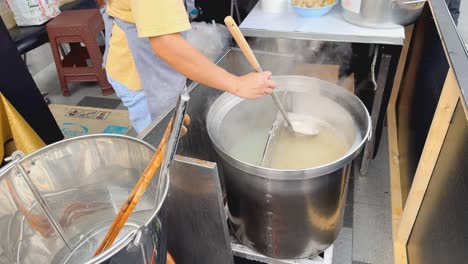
(254, 85)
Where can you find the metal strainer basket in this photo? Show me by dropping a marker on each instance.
(57, 204)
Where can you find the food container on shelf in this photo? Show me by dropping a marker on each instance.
(274, 6)
(382, 13)
(311, 11)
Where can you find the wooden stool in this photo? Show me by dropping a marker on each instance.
(75, 27)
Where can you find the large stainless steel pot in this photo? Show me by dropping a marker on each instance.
(382, 13)
(83, 183)
(286, 214)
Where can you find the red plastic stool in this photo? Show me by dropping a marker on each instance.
(75, 27)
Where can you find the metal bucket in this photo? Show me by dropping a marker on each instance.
(81, 184)
(286, 214)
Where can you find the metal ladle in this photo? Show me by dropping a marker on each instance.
(248, 53)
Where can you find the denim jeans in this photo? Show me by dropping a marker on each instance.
(135, 101)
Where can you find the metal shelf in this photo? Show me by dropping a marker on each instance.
(330, 27)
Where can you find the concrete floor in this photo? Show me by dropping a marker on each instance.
(369, 238)
(366, 235)
(42, 67)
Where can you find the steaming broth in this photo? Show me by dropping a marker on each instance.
(292, 151)
(249, 148)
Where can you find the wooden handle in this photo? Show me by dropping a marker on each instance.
(152, 167)
(242, 42)
(156, 163)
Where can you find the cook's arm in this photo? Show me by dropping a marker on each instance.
(187, 60)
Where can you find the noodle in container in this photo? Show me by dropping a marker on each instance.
(312, 8)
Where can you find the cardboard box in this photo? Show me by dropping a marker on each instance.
(324, 72)
(77, 120)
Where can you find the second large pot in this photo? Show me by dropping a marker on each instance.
(382, 13)
(286, 214)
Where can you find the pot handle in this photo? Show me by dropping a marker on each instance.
(137, 243)
(13, 161)
(409, 2)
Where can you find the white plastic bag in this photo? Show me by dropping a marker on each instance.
(210, 38)
(33, 12)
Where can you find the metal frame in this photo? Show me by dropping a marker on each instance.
(379, 88)
(455, 50)
(248, 32)
(242, 251)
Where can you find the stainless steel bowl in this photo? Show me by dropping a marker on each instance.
(286, 214)
(382, 13)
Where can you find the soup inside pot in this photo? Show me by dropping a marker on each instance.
(250, 123)
(289, 151)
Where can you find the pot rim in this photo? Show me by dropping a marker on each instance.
(297, 174)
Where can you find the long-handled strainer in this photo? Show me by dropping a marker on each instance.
(163, 157)
(298, 125)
